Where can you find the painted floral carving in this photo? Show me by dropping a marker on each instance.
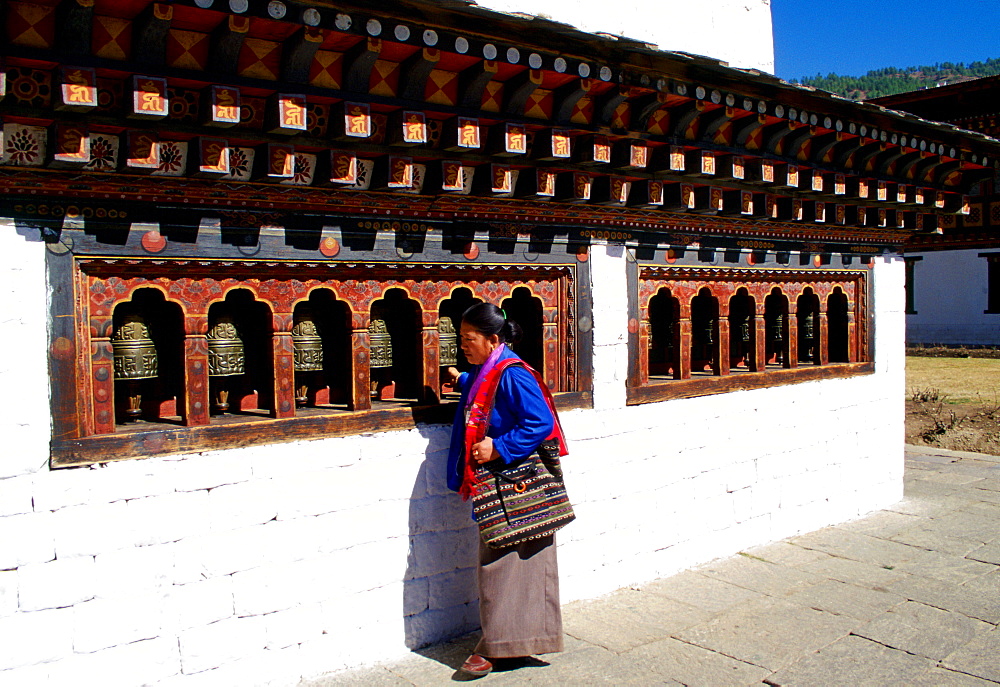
(305, 168)
(171, 158)
(103, 153)
(23, 145)
(240, 161)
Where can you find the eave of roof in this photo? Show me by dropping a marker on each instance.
(631, 54)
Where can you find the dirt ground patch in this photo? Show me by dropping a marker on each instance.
(953, 403)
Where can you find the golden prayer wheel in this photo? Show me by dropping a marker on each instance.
(380, 345)
(447, 341)
(307, 342)
(134, 351)
(226, 357)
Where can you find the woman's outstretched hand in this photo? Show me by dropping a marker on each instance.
(451, 375)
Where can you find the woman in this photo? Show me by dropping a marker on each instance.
(518, 585)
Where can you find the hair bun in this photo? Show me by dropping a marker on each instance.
(511, 332)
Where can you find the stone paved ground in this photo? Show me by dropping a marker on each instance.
(906, 596)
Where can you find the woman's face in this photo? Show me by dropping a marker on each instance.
(476, 345)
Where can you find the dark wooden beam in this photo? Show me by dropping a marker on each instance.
(472, 83)
(823, 144)
(745, 129)
(149, 34)
(644, 107)
(844, 150)
(906, 162)
(682, 117)
(789, 138)
(885, 158)
(518, 89)
(923, 166)
(858, 156)
(227, 41)
(710, 121)
(298, 52)
(609, 103)
(938, 173)
(415, 72)
(359, 61)
(567, 97)
(73, 26)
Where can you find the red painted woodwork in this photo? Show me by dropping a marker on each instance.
(103, 385)
(196, 397)
(683, 284)
(109, 283)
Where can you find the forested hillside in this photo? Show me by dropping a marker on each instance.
(890, 80)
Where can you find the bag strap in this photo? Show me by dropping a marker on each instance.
(557, 430)
(478, 421)
(480, 408)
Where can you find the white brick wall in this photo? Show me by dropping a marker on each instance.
(265, 564)
(24, 416)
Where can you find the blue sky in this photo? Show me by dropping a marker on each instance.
(850, 37)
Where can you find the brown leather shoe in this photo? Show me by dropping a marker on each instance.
(476, 666)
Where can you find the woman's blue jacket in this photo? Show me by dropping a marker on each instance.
(520, 420)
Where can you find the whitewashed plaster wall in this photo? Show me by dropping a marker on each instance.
(735, 31)
(950, 297)
(261, 565)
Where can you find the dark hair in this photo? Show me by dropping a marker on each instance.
(488, 319)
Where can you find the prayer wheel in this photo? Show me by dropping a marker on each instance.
(809, 328)
(307, 342)
(447, 342)
(778, 330)
(807, 345)
(380, 344)
(671, 334)
(133, 349)
(226, 357)
(709, 331)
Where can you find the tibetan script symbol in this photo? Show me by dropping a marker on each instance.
(415, 129)
(560, 145)
(469, 134)
(294, 114)
(358, 121)
(150, 98)
(516, 140)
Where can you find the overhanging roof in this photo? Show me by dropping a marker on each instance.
(716, 141)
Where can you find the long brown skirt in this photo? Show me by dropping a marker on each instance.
(519, 600)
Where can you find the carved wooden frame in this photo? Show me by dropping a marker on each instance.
(685, 283)
(102, 283)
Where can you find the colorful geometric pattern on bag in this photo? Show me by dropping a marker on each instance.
(521, 503)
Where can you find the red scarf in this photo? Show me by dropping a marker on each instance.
(478, 411)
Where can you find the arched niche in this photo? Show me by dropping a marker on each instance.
(664, 339)
(321, 337)
(742, 332)
(839, 331)
(148, 347)
(807, 324)
(705, 332)
(449, 325)
(240, 355)
(776, 328)
(524, 308)
(394, 336)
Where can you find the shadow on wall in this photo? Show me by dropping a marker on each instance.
(440, 600)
